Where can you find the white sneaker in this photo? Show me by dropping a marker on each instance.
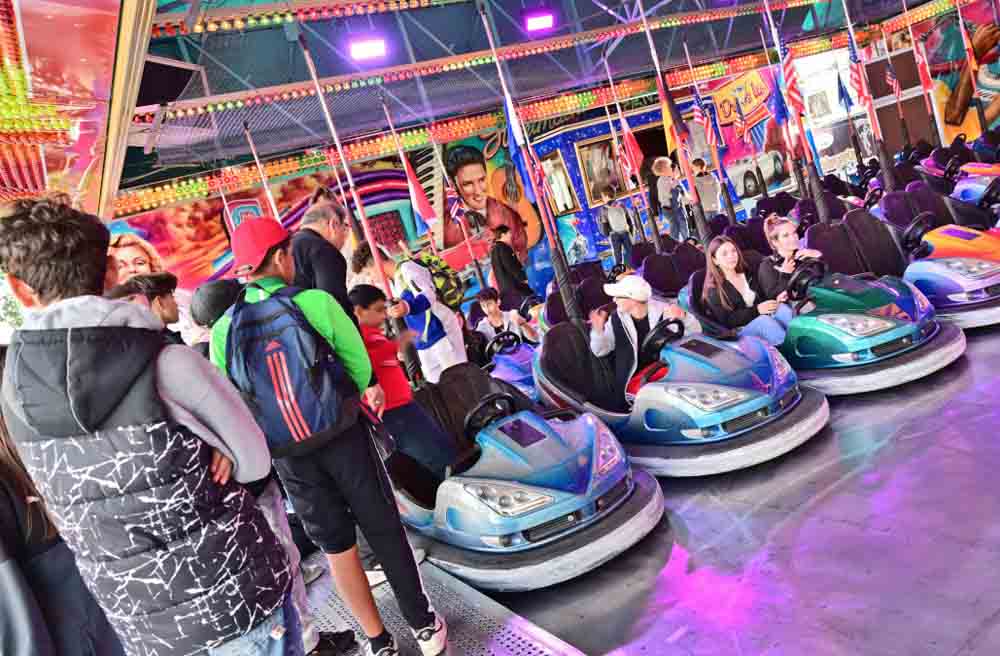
(433, 639)
(388, 650)
(312, 571)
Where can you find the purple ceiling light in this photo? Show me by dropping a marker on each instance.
(368, 48)
(539, 19)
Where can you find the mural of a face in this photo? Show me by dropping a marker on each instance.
(472, 186)
(132, 261)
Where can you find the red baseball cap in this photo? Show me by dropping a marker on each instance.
(251, 241)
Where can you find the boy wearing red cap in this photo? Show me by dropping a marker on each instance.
(334, 477)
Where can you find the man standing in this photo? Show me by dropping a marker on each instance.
(319, 264)
(467, 169)
(709, 190)
(156, 292)
(670, 193)
(507, 268)
(616, 224)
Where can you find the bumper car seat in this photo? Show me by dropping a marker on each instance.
(758, 240)
(834, 241)
(898, 208)
(969, 215)
(568, 363)
(591, 269)
(927, 200)
(591, 295)
(740, 233)
(717, 225)
(879, 249)
(687, 260)
(709, 325)
(555, 310)
(661, 274)
(639, 253)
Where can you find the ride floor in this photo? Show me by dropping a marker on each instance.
(880, 536)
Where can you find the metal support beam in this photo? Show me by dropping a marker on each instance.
(413, 59)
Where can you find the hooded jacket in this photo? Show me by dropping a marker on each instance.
(626, 351)
(116, 430)
(429, 318)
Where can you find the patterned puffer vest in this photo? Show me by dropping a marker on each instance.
(179, 563)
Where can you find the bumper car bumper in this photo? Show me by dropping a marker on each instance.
(937, 353)
(972, 316)
(564, 559)
(759, 445)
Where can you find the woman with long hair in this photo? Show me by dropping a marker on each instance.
(776, 270)
(733, 296)
(134, 255)
(45, 608)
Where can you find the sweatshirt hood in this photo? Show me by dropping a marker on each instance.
(72, 365)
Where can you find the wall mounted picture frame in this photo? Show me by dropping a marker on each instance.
(563, 200)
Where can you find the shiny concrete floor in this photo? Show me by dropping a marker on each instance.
(880, 536)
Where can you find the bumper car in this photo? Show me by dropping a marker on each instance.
(852, 333)
(510, 359)
(534, 500)
(704, 407)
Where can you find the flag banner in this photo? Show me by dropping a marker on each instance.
(515, 141)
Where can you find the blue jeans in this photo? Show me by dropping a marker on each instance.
(770, 328)
(678, 223)
(621, 241)
(264, 639)
(419, 436)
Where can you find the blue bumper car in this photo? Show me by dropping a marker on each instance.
(706, 407)
(534, 499)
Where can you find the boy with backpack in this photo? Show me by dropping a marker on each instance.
(439, 340)
(300, 364)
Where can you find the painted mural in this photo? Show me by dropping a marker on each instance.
(949, 67)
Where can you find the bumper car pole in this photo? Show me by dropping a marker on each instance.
(885, 161)
(260, 171)
(675, 129)
(811, 183)
(622, 157)
(712, 137)
(657, 239)
(559, 261)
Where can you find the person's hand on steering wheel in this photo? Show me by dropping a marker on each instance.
(674, 312)
(782, 297)
(808, 254)
(788, 266)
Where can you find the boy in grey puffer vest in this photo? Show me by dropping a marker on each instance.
(140, 450)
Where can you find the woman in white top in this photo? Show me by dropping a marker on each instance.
(734, 298)
(497, 321)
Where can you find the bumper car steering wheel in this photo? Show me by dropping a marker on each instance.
(527, 304)
(873, 197)
(668, 330)
(807, 273)
(616, 271)
(495, 406)
(503, 342)
(991, 196)
(953, 170)
(912, 238)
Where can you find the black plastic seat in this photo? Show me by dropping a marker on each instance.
(835, 185)
(661, 274)
(806, 207)
(837, 207)
(898, 208)
(669, 243)
(834, 241)
(969, 215)
(570, 365)
(589, 269)
(639, 253)
(758, 240)
(878, 248)
(740, 234)
(925, 200)
(555, 310)
(937, 184)
(591, 294)
(717, 225)
(512, 299)
(906, 173)
(687, 260)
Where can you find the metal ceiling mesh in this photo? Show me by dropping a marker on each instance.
(286, 126)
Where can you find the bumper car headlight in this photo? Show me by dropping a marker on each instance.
(923, 305)
(857, 325)
(609, 453)
(508, 500)
(708, 398)
(970, 267)
(781, 368)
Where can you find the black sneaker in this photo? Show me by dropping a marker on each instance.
(334, 644)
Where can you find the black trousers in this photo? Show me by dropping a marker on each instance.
(343, 486)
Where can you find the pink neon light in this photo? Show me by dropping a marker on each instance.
(540, 22)
(367, 49)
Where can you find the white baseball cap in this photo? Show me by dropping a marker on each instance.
(632, 287)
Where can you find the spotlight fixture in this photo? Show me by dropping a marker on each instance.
(539, 19)
(368, 48)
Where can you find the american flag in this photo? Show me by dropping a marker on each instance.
(702, 118)
(860, 86)
(923, 67)
(741, 127)
(791, 80)
(892, 80)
